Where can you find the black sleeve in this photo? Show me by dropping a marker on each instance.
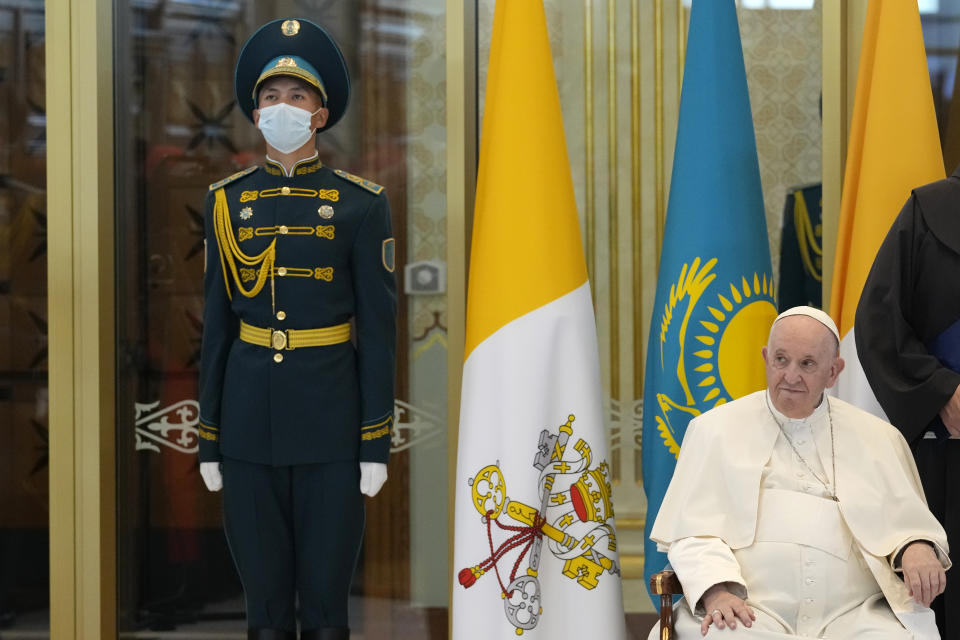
(220, 328)
(375, 293)
(910, 383)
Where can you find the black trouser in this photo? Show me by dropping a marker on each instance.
(938, 462)
(294, 533)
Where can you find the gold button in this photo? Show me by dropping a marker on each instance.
(282, 271)
(278, 357)
(281, 315)
(283, 229)
(285, 191)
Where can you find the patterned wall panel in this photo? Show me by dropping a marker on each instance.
(782, 53)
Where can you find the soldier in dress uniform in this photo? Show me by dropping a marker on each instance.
(297, 367)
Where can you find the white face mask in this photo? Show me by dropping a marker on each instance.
(286, 128)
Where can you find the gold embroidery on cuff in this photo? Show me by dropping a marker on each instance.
(379, 433)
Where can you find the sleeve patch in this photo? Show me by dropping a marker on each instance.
(389, 254)
(372, 187)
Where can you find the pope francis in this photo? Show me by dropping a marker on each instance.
(792, 514)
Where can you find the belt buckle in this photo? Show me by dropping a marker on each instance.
(278, 339)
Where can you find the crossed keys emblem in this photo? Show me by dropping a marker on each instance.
(574, 514)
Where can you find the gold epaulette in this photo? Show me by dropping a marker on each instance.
(372, 187)
(236, 176)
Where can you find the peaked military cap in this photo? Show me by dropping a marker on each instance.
(293, 47)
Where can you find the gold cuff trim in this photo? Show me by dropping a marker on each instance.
(294, 338)
(209, 436)
(373, 435)
(379, 424)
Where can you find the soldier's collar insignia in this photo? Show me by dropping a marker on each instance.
(301, 167)
(307, 165)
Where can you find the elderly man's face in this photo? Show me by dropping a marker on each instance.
(801, 361)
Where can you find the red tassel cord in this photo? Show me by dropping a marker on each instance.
(525, 536)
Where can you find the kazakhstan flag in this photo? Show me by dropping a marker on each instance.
(715, 300)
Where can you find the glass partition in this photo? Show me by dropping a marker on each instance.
(178, 130)
(24, 498)
(941, 36)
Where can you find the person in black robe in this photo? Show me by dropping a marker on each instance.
(907, 331)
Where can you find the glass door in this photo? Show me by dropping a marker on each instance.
(178, 130)
(24, 497)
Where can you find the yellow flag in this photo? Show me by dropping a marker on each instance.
(535, 548)
(894, 147)
(526, 247)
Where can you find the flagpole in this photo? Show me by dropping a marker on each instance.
(461, 184)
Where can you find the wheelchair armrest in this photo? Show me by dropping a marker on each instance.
(666, 585)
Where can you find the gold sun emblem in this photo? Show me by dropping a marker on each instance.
(714, 346)
(730, 344)
(290, 27)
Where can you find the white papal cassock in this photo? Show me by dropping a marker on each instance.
(746, 507)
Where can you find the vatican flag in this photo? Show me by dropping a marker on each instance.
(894, 147)
(535, 550)
(715, 299)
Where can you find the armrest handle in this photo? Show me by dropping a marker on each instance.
(666, 585)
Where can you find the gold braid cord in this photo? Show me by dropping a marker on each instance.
(230, 251)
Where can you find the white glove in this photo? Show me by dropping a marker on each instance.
(210, 471)
(372, 477)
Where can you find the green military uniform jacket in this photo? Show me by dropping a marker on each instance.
(307, 252)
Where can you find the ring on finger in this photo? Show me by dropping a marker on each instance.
(715, 612)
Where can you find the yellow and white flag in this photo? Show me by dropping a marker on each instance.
(894, 147)
(535, 550)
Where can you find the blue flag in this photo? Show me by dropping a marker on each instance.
(715, 300)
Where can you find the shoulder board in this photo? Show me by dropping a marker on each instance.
(372, 187)
(236, 176)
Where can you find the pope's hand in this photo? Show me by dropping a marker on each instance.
(372, 477)
(922, 572)
(723, 609)
(210, 472)
(950, 414)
